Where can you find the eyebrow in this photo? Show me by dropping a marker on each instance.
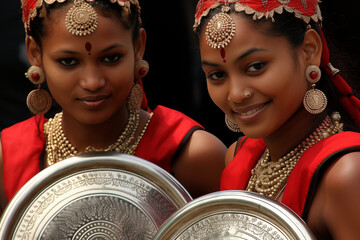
(112, 47)
(104, 50)
(242, 56)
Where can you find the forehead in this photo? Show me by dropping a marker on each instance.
(57, 14)
(108, 30)
(248, 34)
(248, 37)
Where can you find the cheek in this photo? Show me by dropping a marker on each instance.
(290, 95)
(218, 96)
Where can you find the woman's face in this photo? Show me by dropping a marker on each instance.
(263, 64)
(89, 76)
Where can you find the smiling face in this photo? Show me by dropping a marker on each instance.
(89, 76)
(267, 66)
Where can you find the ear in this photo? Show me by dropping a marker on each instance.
(33, 52)
(140, 45)
(312, 47)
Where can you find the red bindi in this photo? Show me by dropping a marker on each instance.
(88, 47)
(222, 53)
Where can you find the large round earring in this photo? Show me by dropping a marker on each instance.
(141, 69)
(315, 100)
(135, 98)
(231, 124)
(38, 101)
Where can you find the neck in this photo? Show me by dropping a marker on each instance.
(98, 136)
(292, 133)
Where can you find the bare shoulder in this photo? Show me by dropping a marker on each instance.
(204, 148)
(200, 164)
(230, 153)
(203, 142)
(344, 172)
(341, 194)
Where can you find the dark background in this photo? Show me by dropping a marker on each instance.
(175, 78)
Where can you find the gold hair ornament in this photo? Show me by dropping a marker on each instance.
(81, 19)
(220, 29)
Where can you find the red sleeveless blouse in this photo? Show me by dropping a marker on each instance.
(305, 176)
(23, 145)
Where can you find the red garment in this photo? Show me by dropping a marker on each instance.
(23, 145)
(305, 176)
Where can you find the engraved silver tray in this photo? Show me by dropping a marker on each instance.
(233, 215)
(94, 196)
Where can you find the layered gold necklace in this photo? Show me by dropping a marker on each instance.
(58, 147)
(269, 178)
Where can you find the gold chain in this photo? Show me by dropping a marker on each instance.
(58, 147)
(269, 178)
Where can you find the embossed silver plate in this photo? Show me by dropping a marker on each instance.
(231, 215)
(94, 196)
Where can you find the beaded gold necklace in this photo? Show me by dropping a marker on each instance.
(59, 148)
(269, 178)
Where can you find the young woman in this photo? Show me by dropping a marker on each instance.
(267, 67)
(90, 53)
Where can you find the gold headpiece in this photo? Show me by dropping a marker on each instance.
(220, 29)
(80, 20)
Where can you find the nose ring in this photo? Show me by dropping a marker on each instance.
(248, 94)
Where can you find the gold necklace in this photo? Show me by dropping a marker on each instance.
(58, 147)
(269, 178)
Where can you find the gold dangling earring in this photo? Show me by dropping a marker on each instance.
(136, 95)
(315, 100)
(135, 98)
(38, 101)
(231, 124)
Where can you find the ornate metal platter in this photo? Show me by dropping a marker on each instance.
(232, 215)
(94, 196)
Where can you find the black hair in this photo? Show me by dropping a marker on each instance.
(294, 30)
(106, 8)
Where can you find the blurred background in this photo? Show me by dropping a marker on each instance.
(175, 79)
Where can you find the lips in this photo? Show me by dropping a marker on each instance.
(249, 113)
(94, 101)
(252, 111)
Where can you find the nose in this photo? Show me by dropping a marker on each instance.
(238, 91)
(92, 79)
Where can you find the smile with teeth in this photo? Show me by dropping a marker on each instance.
(251, 111)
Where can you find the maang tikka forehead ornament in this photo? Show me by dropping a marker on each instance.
(221, 28)
(80, 20)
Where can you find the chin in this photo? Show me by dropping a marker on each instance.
(254, 133)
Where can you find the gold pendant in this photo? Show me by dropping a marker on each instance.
(81, 19)
(220, 29)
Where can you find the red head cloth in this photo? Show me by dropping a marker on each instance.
(306, 10)
(30, 8)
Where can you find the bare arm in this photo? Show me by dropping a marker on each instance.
(336, 208)
(200, 164)
(230, 153)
